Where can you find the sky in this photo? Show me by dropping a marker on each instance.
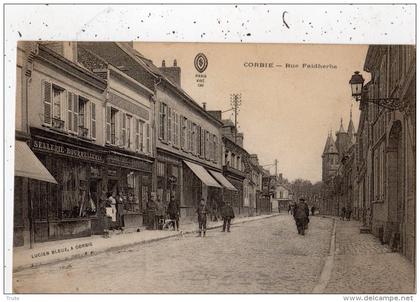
(286, 113)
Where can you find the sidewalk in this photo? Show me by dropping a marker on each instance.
(54, 251)
(363, 265)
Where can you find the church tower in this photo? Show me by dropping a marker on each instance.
(329, 158)
(342, 141)
(351, 130)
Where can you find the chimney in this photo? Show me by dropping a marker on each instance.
(204, 106)
(173, 73)
(254, 158)
(65, 49)
(240, 139)
(216, 114)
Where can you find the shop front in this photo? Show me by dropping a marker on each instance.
(236, 197)
(129, 180)
(169, 178)
(69, 208)
(197, 184)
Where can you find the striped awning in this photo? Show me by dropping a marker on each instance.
(222, 180)
(202, 174)
(28, 165)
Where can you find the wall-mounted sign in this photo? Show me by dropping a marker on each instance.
(61, 149)
(200, 64)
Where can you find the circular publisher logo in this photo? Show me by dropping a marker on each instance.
(200, 62)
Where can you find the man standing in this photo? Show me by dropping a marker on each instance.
(173, 212)
(151, 211)
(301, 216)
(202, 217)
(227, 215)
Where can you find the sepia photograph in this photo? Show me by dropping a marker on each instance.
(214, 167)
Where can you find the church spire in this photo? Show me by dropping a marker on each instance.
(350, 129)
(341, 126)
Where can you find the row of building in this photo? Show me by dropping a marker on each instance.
(372, 170)
(94, 118)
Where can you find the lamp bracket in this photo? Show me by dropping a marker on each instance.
(388, 103)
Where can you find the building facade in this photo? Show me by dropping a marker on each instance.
(391, 147)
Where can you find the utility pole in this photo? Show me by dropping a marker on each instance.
(275, 163)
(235, 102)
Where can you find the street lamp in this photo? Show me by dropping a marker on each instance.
(356, 82)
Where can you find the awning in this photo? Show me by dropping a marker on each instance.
(28, 165)
(220, 178)
(202, 173)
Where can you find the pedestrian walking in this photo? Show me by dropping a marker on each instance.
(307, 215)
(348, 213)
(111, 209)
(202, 217)
(173, 212)
(120, 210)
(301, 216)
(160, 213)
(151, 208)
(343, 213)
(313, 210)
(227, 215)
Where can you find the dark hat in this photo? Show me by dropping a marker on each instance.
(301, 199)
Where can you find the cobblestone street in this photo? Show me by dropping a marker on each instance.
(262, 256)
(265, 256)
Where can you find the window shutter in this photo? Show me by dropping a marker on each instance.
(108, 124)
(202, 143)
(181, 131)
(161, 121)
(46, 97)
(169, 137)
(148, 138)
(165, 123)
(93, 120)
(75, 112)
(123, 129)
(137, 139)
(70, 111)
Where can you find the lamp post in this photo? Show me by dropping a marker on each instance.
(356, 82)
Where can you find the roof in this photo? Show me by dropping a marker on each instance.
(228, 123)
(148, 64)
(330, 146)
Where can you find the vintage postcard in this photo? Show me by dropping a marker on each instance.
(197, 167)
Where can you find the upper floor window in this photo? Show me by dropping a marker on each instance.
(163, 111)
(68, 111)
(111, 125)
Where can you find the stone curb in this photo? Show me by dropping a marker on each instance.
(122, 246)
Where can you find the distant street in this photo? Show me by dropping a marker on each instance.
(264, 256)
